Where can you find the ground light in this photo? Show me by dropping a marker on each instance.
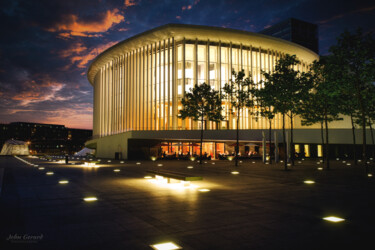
(160, 165)
(369, 175)
(320, 168)
(49, 173)
(204, 190)
(122, 162)
(234, 172)
(190, 167)
(63, 182)
(333, 219)
(116, 170)
(89, 199)
(165, 246)
(41, 168)
(138, 163)
(148, 177)
(309, 182)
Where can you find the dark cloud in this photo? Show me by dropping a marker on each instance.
(46, 45)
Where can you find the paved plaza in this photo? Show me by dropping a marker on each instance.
(260, 207)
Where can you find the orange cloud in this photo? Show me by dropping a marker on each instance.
(38, 92)
(82, 59)
(73, 26)
(129, 3)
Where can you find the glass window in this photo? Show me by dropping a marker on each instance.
(213, 54)
(307, 150)
(189, 69)
(189, 52)
(320, 151)
(201, 71)
(202, 53)
(224, 55)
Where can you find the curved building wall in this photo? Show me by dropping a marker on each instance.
(138, 84)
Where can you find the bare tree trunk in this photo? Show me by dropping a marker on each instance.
(363, 118)
(354, 141)
(321, 133)
(284, 142)
(200, 157)
(327, 143)
(270, 136)
(372, 138)
(238, 139)
(291, 139)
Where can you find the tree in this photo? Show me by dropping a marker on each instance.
(265, 109)
(202, 102)
(354, 62)
(285, 87)
(321, 105)
(237, 92)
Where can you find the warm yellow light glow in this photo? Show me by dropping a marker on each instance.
(160, 165)
(333, 219)
(41, 168)
(148, 177)
(90, 164)
(213, 163)
(88, 199)
(348, 164)
(234, 172)
(165, 246)
(190, 167)
(253, 162)
(153, 158)
(320, 168)
(138, 163)
(369, 175)
(116, 170)
(122, 162)
(309, 182)
(192, 158)
(204, 190)
(230, 158)
(49, 173)
(63, 182)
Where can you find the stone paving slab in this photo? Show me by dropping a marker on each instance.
(263, 207)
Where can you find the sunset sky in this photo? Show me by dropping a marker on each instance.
(46, 45)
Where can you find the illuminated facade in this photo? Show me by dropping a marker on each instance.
(138, 83)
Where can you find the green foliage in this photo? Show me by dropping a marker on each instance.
(353, 65)
(238, 94)
(202, 102)
(324, 100)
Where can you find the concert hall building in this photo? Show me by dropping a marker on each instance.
(139, 83)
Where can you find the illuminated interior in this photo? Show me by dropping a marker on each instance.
(140, 86)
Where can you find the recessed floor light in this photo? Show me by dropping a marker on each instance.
(190, 167)
(234, 172)
(148, 177)
(49, 173)
(160, 165)
(116, 170)
(109, 161)
(204, 190)
(333, 219)
(309, 182)
(320, 168)
(41, 168)
(88, 199)
(63, 182)
(253, 161)
(165, 246)
(138, 163)
(122, 162)
(369, 175)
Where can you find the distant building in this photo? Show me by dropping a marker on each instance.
(46, 138)
(296, 31)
